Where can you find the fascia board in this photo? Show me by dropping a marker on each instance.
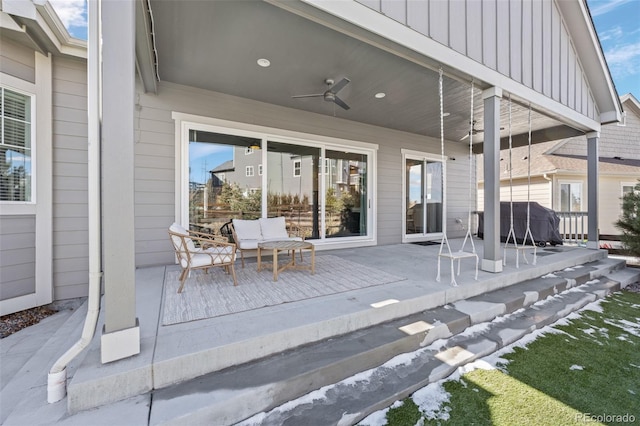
(583, 34)
(376, 23)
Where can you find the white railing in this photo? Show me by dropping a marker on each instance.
(573, 227)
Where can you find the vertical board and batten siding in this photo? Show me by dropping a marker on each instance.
(17, 256)
(17, 233)
(17, 61)
(526, 40)
(155, 164)
(70, 196)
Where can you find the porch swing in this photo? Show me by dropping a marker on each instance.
(460, 254)
(511, 236)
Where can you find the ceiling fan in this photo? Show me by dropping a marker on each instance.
(473, 130)
(331, 94)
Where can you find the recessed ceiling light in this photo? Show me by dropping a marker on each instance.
(446, 114)
(264, 62)
(380, 95)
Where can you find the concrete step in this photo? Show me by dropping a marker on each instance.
(234, 394)
(351, 400)
(45, 343)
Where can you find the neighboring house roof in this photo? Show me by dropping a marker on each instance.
(543, 162)
(619, 151)
(227, 166)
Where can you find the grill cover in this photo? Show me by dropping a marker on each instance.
(544, 223)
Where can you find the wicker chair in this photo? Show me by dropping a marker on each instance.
(196, 250)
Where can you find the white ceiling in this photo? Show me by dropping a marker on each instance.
(214, 45)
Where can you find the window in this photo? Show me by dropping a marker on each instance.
(571, 197)
(627, 189)
(15, 146)
(296, 168)
(259, 169)
(248, 151)
(248, 171)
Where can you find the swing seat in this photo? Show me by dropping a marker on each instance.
(522, 248)
(453, 256)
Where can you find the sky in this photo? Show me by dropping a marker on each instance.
(616, 22)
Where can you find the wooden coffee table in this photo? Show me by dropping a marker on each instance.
(276, 246)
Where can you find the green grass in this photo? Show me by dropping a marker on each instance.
(543, 384)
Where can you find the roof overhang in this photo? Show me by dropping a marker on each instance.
(580, 25)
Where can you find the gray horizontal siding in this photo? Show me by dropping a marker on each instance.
(526, 40)
(17, 60)
(155, 164)
(17, 256)
(70, 208)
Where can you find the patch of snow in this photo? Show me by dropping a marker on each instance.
(377, 418)
(589, 331)
(578, 266)
(551, 275)
(596, 281)
(628, 326)
(633, 365)
(431, 398)
(568, 269)
(623, 338)
(594, 306)
(631, 392)
(576, 367)
(504, 318)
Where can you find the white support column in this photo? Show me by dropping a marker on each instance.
(593, 236)
(492, 257)
(121, 333)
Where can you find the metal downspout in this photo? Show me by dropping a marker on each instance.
(57, 378)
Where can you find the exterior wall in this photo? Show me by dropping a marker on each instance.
(540, 191)
(17, 60)
(17, 256)
(615, 140)
(526, 41)
(70, 223)
(155, 160)
(610, 198)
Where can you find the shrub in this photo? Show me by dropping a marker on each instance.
(629, 222)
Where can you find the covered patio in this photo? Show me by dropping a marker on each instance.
(174, 353)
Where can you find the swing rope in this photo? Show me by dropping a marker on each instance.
(527, 234)
(445, 241)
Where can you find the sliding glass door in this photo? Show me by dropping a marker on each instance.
(423, 201)
(322, 190)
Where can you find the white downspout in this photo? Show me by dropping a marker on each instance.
(57, 378)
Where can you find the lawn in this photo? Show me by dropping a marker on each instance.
(583, 369)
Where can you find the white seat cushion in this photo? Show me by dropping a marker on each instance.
(247, 229)
(273, 228)
(248, 244)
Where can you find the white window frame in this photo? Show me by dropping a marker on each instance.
(297, 167)
(32, 146)
(259, 169)
(571, 182)
(41, 204)
(248, 151)
(624, 185)
(185, 122)
(424, 156)
(248, 171)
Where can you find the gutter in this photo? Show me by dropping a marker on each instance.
(57, 378)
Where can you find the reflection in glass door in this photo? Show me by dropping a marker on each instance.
(423, 198)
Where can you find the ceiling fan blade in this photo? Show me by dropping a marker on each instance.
(340, 103)
(464, 137)
(308, 96)
(339, 85)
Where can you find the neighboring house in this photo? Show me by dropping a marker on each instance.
(558, 173)
(113, 131)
